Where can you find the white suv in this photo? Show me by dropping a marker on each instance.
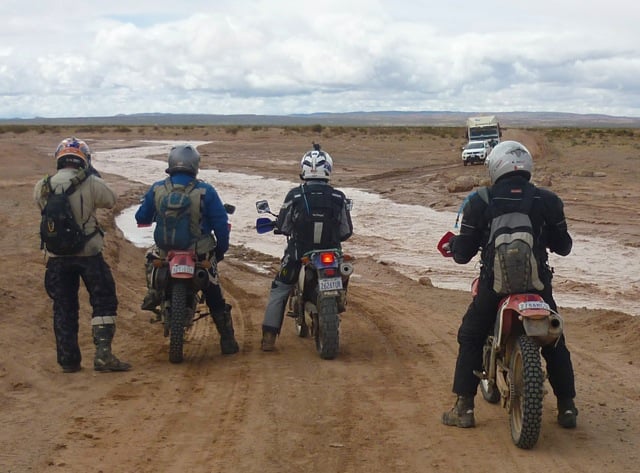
(475, 152)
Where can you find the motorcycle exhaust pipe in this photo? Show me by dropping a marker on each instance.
(202, 278)
(346, 269)
(555, 325)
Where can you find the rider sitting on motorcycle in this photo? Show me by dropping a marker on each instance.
(183, 165)
(314, 215)
(510, 166)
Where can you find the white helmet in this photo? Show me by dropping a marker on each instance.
(316, 164)
(508, 157)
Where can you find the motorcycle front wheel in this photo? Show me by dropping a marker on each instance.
(328, 335)
(178, 317)
(526, 392)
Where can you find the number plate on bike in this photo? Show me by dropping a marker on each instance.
(182, 269)
(331, 284)
(533, 305)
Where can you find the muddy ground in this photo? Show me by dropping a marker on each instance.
(377, 407)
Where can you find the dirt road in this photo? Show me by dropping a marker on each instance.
(377, 407)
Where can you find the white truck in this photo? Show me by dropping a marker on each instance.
(485, 128)
(475, 152)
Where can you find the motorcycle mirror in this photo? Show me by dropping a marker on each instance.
(265, 225)
(230, 208)
(262, 206)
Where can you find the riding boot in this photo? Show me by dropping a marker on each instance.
(151, 300)
(104, 359)
(567, 413)
(224, 324)
(461, 415)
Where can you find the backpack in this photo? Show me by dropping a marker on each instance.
(60, 233)
(510, 246)
(317, 221)
(173, 216)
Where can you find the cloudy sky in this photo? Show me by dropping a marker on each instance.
(98, 58)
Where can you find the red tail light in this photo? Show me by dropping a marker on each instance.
(327, 258)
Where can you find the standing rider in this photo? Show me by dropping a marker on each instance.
(208, 215)
(314, 215)
(63, 273)
(510, 167)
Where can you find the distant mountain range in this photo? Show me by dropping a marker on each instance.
(382, 118)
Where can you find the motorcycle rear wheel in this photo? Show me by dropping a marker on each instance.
(178, 317)
(526, 391)
(328, 333)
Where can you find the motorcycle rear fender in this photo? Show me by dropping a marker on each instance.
(182, 264)
(534, 314)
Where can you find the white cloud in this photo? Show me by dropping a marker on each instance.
(285, 56)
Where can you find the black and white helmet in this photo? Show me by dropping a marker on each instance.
(316, 164)
(183, 158)
(509, 157)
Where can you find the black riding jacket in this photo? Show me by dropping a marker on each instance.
(547, 219)
(315, 215)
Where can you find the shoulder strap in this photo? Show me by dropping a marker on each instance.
(76, 181)
(484, 194)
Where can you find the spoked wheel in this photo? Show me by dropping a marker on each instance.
(526, 386)
(327, 334)
(178, 318)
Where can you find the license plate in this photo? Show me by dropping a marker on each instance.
(182, 269)
(331, 284)
(533, 305)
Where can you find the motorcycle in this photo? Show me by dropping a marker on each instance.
(512, 372)
(180, 277)
(320, 294)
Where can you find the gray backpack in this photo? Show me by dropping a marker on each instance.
(511, 242)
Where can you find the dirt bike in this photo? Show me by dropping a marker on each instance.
(320, 294)
(512, 372)
(180, 277)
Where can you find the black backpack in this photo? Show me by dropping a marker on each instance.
(60, 233)
(317, 221)
(510, 246)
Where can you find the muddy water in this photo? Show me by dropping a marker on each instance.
(599, 273)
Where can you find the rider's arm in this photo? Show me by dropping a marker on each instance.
(555, 232)
(216, 220)
(284, 222)
(146, 212)
(466, 245)
(346, 226)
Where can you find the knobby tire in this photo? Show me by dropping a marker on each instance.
(527, 391)
(178, 317)
(328, 334)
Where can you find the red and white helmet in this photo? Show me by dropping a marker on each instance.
(316, 164)
(74, 152)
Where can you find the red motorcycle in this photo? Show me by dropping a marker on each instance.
(512, 372)
(180, 277)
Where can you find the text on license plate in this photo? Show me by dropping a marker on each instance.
(182, 268)
(533, 305)
(330, 284)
